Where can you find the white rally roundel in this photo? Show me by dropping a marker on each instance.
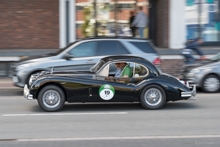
(106, 92)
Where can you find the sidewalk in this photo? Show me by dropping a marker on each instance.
(7, 84)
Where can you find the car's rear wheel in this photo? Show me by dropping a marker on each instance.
(51, 98)
(153, 97)
(211, 84)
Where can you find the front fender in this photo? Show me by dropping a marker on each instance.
(42, 82)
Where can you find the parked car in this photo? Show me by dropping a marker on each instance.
(204, 74)
(82, 55)
(145, 85)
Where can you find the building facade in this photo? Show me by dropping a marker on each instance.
(52, 24)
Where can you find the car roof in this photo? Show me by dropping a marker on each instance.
(124, 58)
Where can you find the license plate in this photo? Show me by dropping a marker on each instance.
(15, 79)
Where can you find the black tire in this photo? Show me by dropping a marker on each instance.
(211, 84)
(57, 101)
(153, 102)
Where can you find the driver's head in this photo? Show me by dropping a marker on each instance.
(122, 64)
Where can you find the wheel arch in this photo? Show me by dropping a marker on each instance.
(139, 95)
(32, 72)
(54, 84)
(209, 74)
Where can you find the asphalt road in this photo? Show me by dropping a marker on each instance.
(182, 123)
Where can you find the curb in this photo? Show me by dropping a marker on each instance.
(10, 89)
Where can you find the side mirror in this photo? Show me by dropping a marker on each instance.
(67, 56)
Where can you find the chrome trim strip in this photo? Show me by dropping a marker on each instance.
(189, 94)
(27, 94)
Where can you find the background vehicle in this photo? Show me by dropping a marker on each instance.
(82, 55)
(204, 74)
(145, 85)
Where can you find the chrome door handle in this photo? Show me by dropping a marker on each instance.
(90, 61)
(131, 84)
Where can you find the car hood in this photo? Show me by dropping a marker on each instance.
(74, 73)
(71, 74)
(37, 58)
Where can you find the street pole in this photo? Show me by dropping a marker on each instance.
(95, 17)
(116, 18)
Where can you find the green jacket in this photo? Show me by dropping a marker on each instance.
(126, 71)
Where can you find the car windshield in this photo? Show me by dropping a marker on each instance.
(97, 66)
(216, 57)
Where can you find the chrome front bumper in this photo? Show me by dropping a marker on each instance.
(27, 94)
(190, 93)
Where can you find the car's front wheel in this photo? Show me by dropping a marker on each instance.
(51, 98)
(211, 84)
(153, 97)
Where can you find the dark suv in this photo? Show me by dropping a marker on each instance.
(82, 55)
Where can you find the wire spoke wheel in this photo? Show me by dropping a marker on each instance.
(51, 98)
(153, 97)
(211, 84)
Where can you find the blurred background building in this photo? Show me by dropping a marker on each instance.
(52, 24)
(47, 24)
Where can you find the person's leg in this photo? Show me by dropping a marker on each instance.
(141, 30)
(189, 58)
(133, 31)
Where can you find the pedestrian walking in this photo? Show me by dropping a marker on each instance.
(140, 22)
(131, 19)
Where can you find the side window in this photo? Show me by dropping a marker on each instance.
(143, 46)
(106, 48)
(105, 71)
(84, 49)
(121, 49)
(112, 69)
(123, 69)
(140, 70)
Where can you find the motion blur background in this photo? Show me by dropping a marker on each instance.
(42, 26)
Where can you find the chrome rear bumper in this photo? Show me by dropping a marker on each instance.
(190, 93)
(27, 94)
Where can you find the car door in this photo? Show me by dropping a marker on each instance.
(111, 89)
(81, 89)
(84, 57)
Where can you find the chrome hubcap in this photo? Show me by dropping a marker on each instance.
(211, 84)
(51, 98)
(153, 96)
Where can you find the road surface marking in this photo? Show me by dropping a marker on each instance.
(66, 114)
(121, 138)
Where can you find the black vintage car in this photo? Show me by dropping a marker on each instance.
(145, 85)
